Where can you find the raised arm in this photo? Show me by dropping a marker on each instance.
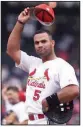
(13, 45)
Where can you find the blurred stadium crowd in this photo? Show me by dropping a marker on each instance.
(66, 33)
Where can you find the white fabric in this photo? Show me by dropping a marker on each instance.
(19, 110)
(47, 78)
(38, 121)
(42, 122)
(26, 61)
(8, 106)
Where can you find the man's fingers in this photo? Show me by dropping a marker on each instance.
(27, 10)
(24, 13)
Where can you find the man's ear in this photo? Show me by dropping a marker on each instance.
(53, 42)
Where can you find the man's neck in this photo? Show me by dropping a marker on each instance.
(48, 58)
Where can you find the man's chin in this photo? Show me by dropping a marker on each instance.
(13, 102)
(41, 55)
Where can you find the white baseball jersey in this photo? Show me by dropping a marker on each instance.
(20, 111)
(44, 79)
(8, 106)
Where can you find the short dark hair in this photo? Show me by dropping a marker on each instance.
(14, 88)
(44, 31)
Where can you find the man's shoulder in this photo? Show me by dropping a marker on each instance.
(18, 106)
(24, 54)
(63, 63)
(20, 103)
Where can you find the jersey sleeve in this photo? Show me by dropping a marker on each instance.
(27, 61)
(67, 76)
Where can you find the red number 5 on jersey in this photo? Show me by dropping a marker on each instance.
(36, 95)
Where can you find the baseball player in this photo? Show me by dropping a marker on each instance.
(51, 80)
(13, 106)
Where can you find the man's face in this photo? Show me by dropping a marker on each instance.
(43, 44)
(12, 96)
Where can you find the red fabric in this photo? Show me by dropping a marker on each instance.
(40, 116)
(22, 96)
(46, 74)
(46, 8)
